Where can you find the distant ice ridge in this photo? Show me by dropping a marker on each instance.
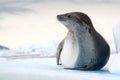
(46, 49)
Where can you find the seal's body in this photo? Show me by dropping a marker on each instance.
(83, 48)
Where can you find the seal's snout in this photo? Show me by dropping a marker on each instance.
(60, 17)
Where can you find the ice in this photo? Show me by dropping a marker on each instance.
(46, 69)
(115, 64)
(33, 67)
(45, 49)
(116, 32)
(112, 48)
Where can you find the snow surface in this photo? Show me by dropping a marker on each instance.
(37, 68)
(46, 49)
(46, 69)
(33, 67)
(115, 64)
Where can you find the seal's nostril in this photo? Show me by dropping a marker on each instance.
(58, 16)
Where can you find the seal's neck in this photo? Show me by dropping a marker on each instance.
(82, 39)
(72, 36)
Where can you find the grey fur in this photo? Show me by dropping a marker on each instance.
(93, 51)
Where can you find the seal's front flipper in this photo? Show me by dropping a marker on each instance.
(58, 53)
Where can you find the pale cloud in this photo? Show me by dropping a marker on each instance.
(19, 6)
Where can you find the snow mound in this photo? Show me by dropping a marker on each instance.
(47, 49)
(116, 32)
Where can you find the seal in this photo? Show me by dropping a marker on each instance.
(83, 48)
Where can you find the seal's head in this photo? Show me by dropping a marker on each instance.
(76, 21)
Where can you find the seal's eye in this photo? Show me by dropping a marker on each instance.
(69, 16)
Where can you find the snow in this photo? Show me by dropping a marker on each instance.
(116, 32)
(115, 64)
(46, 69)
(27, 63)
(46, 49)
(40, 50)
